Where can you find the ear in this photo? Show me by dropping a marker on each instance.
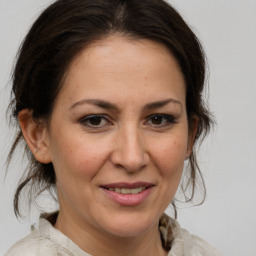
(35, 134)
(191, 136)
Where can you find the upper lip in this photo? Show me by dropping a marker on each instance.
(127, 185)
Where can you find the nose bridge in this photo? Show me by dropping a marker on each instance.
(130, 151)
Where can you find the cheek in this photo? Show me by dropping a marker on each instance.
(170, 156)
(169, 161)
(76, 157)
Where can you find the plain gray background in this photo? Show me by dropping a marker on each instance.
(227, 29)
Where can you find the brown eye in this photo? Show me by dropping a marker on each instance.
(161, 120)
(94, 121)
(157, 120)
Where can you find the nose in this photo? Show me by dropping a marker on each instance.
(129, 150)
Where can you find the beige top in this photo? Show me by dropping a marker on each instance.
(46, 240)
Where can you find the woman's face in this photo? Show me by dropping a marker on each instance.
(118, 136)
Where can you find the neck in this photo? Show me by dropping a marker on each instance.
(96, 242)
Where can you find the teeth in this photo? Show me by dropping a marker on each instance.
(118, 190)
(126, 191)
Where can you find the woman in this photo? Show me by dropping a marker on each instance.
(107, 95)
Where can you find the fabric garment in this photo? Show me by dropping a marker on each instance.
(46, 240)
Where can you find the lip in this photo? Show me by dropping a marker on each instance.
(127, 185)
(128, 199)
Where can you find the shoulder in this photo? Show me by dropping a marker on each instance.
(197, 246)
(179, 241)
(33, 245)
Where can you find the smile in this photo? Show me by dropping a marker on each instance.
(128, 194)
(126, 191)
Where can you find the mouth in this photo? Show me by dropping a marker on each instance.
(128, 193)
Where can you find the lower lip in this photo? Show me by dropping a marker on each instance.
(128, 199)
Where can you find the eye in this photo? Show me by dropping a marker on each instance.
(161, 120)
(94, 121)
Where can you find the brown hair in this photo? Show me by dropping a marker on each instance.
(64, 29)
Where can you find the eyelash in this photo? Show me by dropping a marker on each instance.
(85, 121)
(168, 121)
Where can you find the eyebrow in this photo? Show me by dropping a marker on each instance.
(96, 102)
(162, 103)
(107, 105)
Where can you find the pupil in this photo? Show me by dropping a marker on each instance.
(157, 120)
(95, 120)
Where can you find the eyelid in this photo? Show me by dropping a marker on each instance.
(86, 118)
(167, 120)
(164, 115)
(170, 119)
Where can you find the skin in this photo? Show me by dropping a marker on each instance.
(131, 141)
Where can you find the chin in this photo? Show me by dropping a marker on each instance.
(130, 226)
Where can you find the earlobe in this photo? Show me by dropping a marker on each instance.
(35, 134)
(192, 135)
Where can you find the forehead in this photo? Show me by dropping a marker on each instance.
(123, 65)
(123, 47)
